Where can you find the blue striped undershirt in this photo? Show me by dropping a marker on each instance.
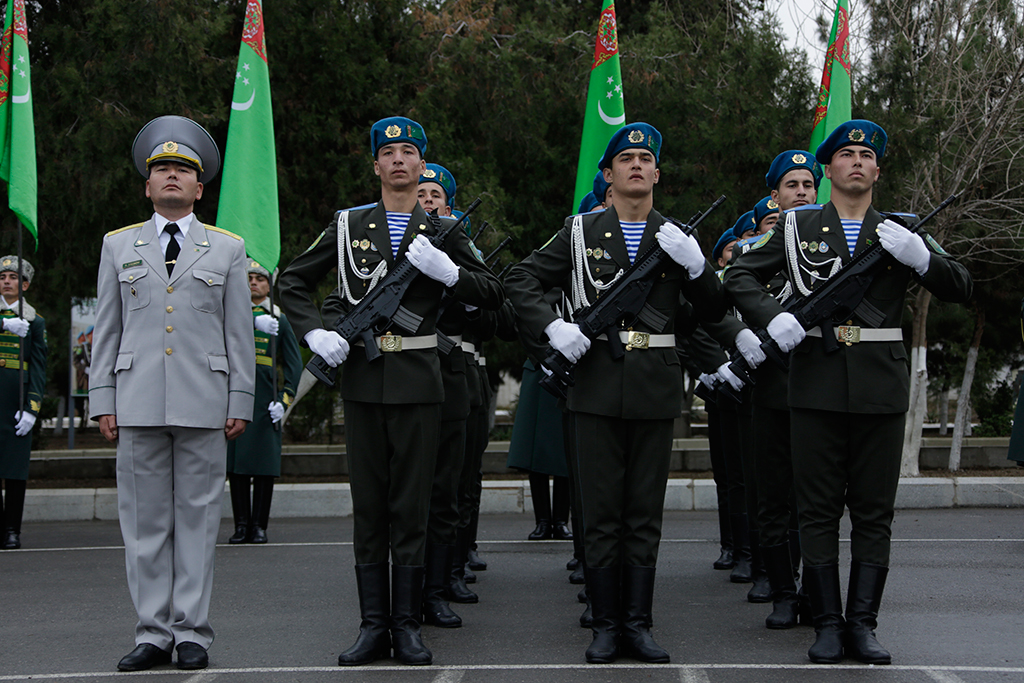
(397, 223)
(633, 232)
(852, 230)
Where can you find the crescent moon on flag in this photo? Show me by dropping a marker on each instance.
(616, 121)
(242, 106)
(23, 99)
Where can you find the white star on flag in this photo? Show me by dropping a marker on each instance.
(609, 94)
(21, 58)
(611, 79)
(618, 88)
(238, 74)
(245, 66)
(246, 81)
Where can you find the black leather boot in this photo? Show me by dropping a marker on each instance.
(374, 641)
(603, 588)
(761, 591)
(436, 610)
(867, 583)
(262, 493)
(822, 584)
(14, 509)
(240, 507)
(724, 560)
(742, 571)
(637, 605)
(406, 599)
(794, 553)
(474, 562)
(458, 591)
(780, 576)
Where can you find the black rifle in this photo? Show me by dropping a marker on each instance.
(505, 243)
(625, 300)
(381, 307)
(840, 296)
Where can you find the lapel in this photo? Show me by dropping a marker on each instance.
(193, 247)
(654, 221)
(419, 224)
(377, 231)
(830, 231)
(609, 234)
(148, 247)
(867, 230)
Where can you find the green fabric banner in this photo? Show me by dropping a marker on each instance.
(606, 109)
(248, 195)
(17, 130)
(835, 93)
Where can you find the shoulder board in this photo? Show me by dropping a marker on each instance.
(748, 241)
(127, 227)
(721, 273)
(222, 231)
(807, 207)
(549, 241)
(589, 213)
(357, 208)
(759, 242)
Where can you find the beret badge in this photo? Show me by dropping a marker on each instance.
(772, 204)
(856, 135)
(430, 173)
(636, 136)
(799, 159)
(392, 131)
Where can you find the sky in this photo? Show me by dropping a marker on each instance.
(797, 20)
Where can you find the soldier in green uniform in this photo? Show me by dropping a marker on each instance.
(623, 409)
(22, 361)
(392, 404)
(254, 458)
(847, 407)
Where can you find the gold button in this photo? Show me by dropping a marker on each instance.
(373, 225)
(607, 234)
(170, 309)
(422, 227)
(889, 267)
(767, 286)
(209, 282)
(170, 289)
(825, 229)
(169, 351)
(364, 260)
(3, 362)
(130, 278)
(663, 274)
(849, 322)
(170, 329)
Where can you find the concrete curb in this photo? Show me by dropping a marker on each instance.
(513, 496)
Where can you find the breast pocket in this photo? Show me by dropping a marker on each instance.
(134, 287)
(365, 263)
(208, 290)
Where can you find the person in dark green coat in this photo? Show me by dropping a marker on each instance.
(848, 403)
(1016, 450)
(254, 458)
(22, 360)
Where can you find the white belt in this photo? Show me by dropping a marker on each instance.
(481, 361)
(642, 340)
(389, 343)
(851, 334)
(469, 347)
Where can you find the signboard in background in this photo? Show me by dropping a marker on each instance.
(83, 319)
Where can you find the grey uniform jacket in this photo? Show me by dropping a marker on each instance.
(173, 350)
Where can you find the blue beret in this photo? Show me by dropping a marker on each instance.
(787, 161)
(175, 138)
(632, 136)
(855, 132)
(763, 208)
(600, 187)
(588, 203)
(397, 129)
(436, 173)
(745, 222)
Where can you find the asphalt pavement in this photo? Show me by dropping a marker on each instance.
(953, 610)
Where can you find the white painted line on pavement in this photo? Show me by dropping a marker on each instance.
(693, 676)
(943, 676)
(450, 675)
(203, 677)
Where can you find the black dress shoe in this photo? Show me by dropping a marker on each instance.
(561, 532)
(572, 564)
(725, 560)
(469, 575)
(475, 563)
(542, 532)
(143, 657)
(12, 540)
(259, 535)
(192, 656)
(577, 577)
(241, 534)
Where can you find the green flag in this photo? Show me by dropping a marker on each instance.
(834, 95)
(17, 131)
(606, 110)
(248, 194)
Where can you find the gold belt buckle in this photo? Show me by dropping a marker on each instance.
(638, 340)
(850, 334)
(391, 343)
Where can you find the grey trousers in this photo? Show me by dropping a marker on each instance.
(169, 486)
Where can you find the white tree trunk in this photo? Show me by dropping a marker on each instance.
(944, 412)
(963, 410)
(910, 466)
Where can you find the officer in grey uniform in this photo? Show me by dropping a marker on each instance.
(22, 382)
(847, 404)
(172, 382)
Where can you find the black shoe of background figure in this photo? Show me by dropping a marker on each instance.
(561, 532)
(578, 577)
(469, 575)
(572, 564)
(475, 563)
(143, 657)
(259, 535)
(542, 532)
(192, 656)
(241, 535)
(582, 595)
(12, 540)
(725, 560)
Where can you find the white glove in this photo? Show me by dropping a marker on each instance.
(906, 247)
(267, 324)
(26, 421)
(750, 347)
(707, 380)
(469, 308)
(786, 331)
(728, 376)
(433, 262)
(276, 410)
(18, 326)
(683, 249)
(329, 345)
(567, 339)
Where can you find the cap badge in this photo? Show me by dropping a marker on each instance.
(874, 139)
(392, 131)
(636, 136)
(772, 204)
(430, 173)
(799, 159)
(856, 135)
(170, 147)
(7, 261)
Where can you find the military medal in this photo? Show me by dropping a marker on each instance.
(823, 248)
(355, 244)
(364, 245)
(607, 256)
(590, 252)
(813, 246)
(598, 252)
(803, 245)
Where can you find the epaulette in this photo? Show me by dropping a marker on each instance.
(588, 213)
(357, 208)
(222, 231)
(806, 207)
(120, 230)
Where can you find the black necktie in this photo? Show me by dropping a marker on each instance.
(173, 248)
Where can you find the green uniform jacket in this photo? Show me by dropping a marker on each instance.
(17, 450)
(395, 378)
(643, 384)
(257, 452)
(869, 377)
